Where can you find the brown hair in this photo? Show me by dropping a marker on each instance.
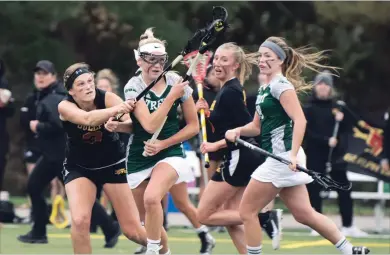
(298, 59)
(148, 37)
(109, 75)
(245, 60)
(71, 69)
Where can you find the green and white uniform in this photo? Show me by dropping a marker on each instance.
(139, 168)
(276, 136)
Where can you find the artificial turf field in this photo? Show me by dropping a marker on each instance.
(182, 241)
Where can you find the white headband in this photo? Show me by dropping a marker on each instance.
(149, 48)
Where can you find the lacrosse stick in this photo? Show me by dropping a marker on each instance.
(207, 36)
(321, 179)
(334, 135)
(194, 66)
(199, 74)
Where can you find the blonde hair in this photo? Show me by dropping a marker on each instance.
(244, 60)
(148, 37)
(298, 59)
(72, 68)
(109, 75)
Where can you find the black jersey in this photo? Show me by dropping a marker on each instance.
(229, 111)
(92, 147)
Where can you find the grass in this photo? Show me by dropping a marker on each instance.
(181, 241)
(330, 206)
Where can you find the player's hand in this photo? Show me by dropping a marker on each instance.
(33, 125)
(111, 125)
(332, 142)
(293, 165)
(232, 135)
(206, 147)
(339, 116)
(202, 104)
(125, 107)
(177, 90)
(152, 149)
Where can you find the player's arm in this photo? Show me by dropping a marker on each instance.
(192, 124)
(70, 112)
(251, 129)
(152, 121)
(124, 125)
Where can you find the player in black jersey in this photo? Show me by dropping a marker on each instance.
(94, 157)
(228, 183)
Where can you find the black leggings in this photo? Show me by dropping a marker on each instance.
(3, 161)
(43, 173)
(345, 201)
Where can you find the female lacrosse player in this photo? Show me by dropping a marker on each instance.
(95, 157)
(232, 67)
(151, 177)
(277, 107)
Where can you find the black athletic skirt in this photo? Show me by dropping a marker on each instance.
(238, 166)
(115, 173)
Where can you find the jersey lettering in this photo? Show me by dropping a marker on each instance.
(154, 105)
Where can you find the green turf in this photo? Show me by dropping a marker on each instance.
(330, 207)
(182, 241)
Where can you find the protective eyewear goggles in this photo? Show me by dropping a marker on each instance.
(154, 59)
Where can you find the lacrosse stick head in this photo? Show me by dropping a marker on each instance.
(200, 70)
(329, 184)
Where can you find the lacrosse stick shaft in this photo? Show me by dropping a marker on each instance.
(203, 125)
(266, 153)
(334, 135)
(155, 135)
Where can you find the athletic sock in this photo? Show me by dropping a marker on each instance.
(153, 244)
(201, 229)
(344, 246)
(254, 250)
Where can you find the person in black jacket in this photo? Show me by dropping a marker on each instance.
(47, 129)
(51, 140)
(6, 111)
(28, 113)
(386, 143)
(321, 113)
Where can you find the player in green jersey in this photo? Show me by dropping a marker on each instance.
(221, 198)
(280, 121)
(164, 168)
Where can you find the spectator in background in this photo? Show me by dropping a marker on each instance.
(51, 141)
(386, 143)
(28, 113)
(321, 114)
(6, 111)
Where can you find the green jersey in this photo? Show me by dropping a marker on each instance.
(135, 161)
(276, 125)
